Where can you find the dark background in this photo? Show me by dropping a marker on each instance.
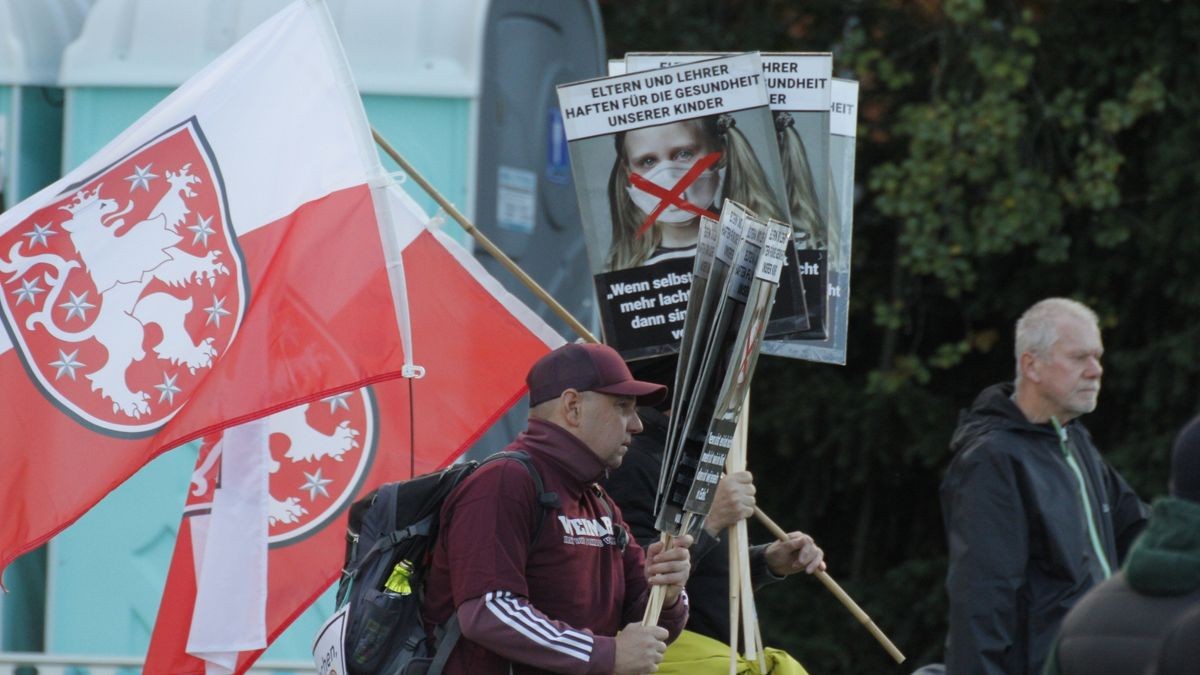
(1007, 151)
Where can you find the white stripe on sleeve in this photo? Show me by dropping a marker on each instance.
(505, 607)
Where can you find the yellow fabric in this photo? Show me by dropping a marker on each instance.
(696, 654)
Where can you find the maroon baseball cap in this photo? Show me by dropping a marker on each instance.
(587, 367)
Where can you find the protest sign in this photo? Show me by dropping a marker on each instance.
(798, 88)
(843, 126)
(651, 152)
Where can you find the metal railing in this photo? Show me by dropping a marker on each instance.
(23, 663)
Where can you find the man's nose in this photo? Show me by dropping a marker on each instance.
(1094, 368)
(635, 424)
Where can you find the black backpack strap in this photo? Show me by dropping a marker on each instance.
(546, 500)
(448, 637)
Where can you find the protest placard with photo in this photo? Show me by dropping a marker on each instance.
(651, 152)
(798, 87)
(843, 132)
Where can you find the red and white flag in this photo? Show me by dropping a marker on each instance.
(263, 530)
(218, 261)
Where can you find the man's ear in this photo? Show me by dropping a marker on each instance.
(1031, 368)
(570, 404)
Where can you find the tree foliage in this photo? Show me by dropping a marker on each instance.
(1008, 151)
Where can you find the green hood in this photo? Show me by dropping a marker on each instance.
(1165, 560)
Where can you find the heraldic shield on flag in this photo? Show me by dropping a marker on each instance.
(220, 260)
(319, 455)
(125, 289)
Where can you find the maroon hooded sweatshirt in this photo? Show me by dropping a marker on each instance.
(554, 606)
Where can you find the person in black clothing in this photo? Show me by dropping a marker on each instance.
(1034, 516)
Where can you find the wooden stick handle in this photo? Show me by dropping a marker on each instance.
(657, 595)
(837, 591)
(493, 250)
(735, 602)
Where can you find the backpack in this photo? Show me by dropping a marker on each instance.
(389, 548)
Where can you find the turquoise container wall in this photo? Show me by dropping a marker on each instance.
(31, 126)
(432, 134)
(106, 572)
(8, 153)
(40, 138)
(33, 139)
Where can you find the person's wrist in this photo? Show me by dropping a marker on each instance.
(777, 566)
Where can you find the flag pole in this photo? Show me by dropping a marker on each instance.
(493, 250)
(834, 588)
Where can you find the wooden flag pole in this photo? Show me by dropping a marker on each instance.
(493, 250)
(841, 595)
(735, 603)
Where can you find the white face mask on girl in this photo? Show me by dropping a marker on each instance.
(702, 193)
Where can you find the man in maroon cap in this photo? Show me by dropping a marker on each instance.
(558, 603)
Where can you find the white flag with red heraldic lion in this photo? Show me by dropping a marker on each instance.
(218, 261)
(285, 544)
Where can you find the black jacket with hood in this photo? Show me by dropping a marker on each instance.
(1022, 552)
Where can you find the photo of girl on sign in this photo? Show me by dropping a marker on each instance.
(665, 177)
(809, 228)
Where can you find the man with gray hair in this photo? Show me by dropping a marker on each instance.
(1034, 516)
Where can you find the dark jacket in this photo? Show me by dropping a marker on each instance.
(1021, 551)
(1180, 650)
(632, 487)
(1119, 626)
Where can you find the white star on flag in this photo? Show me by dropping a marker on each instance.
(66, 363)
(168, 389)
(202, 230)
(316, 484)
(28, 291)
(39, 234)
(141, 177)
(78, 305)
(337, 401)
(216, 311)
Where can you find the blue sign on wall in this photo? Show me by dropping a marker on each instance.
(558, 163)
